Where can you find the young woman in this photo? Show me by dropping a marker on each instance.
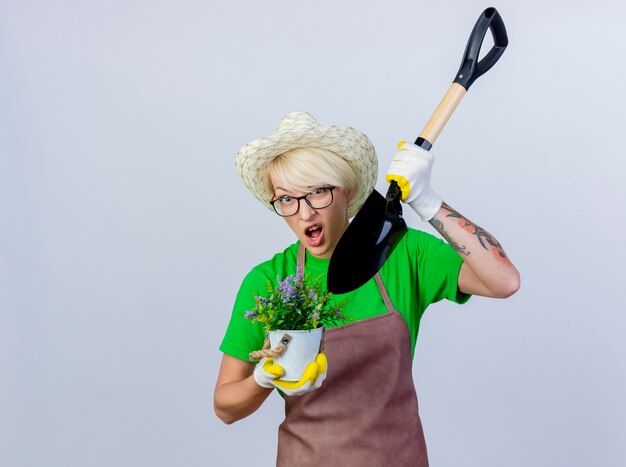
(360, 408)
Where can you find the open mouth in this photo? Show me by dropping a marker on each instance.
(313, 232)
(314, 235)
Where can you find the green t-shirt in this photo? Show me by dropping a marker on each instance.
(422, 269)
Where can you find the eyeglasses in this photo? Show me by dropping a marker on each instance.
(319, 198)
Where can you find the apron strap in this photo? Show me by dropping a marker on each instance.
(379, 281)
(384, 294)
(301, 259)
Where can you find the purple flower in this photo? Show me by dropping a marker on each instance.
(250, 314)
(311, 293)
(315, 315)
(261, 299)
(287, 289)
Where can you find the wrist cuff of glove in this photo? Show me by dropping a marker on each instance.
(262, 378)
(263, 383)
(427, 204)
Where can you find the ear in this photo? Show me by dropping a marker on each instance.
(350, 195)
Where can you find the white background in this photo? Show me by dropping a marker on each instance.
(125, 232)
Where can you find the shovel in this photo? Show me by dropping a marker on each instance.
(378, 226)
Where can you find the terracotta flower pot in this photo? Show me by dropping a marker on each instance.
(301, 350)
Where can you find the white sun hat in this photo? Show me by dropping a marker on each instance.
(302, 130)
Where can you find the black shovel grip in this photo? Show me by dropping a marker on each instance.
(471, 69)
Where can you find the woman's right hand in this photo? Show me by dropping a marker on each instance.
(267, 372)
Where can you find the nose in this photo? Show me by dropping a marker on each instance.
(306, 212)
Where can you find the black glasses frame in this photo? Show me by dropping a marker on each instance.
(304, 197)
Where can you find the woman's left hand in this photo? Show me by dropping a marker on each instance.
(411, 169)
(311, 379)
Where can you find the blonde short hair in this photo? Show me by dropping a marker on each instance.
(302, 168)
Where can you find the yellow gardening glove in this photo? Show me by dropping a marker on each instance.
(266, 371)
(411, 169)
(311, 379)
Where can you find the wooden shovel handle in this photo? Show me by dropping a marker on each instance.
(442, 114)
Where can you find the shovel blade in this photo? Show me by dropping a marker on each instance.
(366, 244)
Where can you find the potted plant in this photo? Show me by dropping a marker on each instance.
(293, 315)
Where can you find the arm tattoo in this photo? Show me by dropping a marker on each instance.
(483, 236)
(437, 224)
